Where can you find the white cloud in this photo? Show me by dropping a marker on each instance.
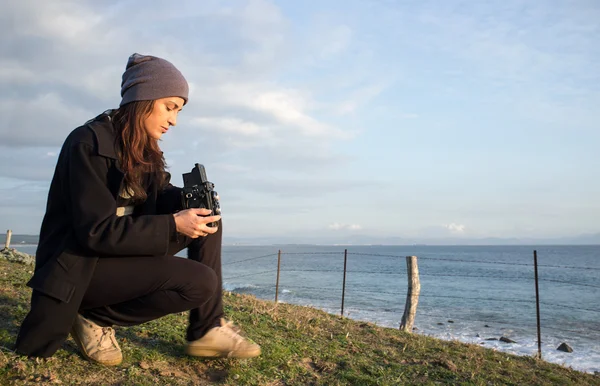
(336, 226)
(232, 126)
(50, 20)
(455, 228)
(268, 103)
(231, 95)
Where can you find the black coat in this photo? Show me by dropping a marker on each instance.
(81, 225)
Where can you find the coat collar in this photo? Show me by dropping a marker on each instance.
(105, 133)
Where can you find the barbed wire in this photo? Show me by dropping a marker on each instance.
(355, 308)
(287, 287)
(358, 308)
(442, 259)
(312, 270)
(456, 321)
(475, 276)
(569, 307)
(249, 259)
(430, 275)
(530, 302)
(380, 272)
(311, 253)
(422, 258)
(342, 271)
(509, 263)
(311, 288)
(349, 309)
(249, 274)
(350, 289)
(352, 308)
(436, 275)
(568, 267)
(375, 254)
(478, 298)
(570, 283)
(478, 261)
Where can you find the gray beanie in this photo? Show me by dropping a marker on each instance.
(148, 77)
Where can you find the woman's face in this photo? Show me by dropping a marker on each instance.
(164, 114)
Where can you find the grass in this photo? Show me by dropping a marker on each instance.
(301, 346)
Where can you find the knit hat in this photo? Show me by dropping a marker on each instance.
(148, 77)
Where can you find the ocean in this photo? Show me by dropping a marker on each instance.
(468, 293)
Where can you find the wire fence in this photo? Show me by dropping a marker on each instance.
(454, 290)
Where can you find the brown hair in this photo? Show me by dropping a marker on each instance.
(139, 154)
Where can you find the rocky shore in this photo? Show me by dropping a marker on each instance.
(13, 255)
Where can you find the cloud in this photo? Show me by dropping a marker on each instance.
(455, 228)
(264, 104)
(340, 226)
(44, 120)
(60, 77)
(241, 129)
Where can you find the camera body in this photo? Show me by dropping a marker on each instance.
(198, 192)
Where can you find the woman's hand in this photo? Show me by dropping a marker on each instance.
(192, 222)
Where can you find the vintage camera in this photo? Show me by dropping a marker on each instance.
(198, 192)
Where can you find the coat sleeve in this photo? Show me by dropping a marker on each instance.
(93, 209)
(169, 199)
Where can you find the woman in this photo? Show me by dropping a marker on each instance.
(112, 226)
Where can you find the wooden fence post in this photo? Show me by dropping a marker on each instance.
(537, 304)
(344, 283)
(277, 284)
(412, 295)
(8, 236)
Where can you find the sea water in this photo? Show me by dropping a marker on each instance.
(468, 293)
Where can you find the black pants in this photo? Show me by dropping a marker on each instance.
(127, 291)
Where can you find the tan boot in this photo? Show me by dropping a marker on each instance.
(96, 343)
(223, 341)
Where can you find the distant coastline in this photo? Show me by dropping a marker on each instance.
(362, 240)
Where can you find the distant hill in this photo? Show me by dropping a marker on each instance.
(19, 239)
(586, 239)
(358, 239)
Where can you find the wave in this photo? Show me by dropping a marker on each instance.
(234, 287)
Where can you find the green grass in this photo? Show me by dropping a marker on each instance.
(301, 346)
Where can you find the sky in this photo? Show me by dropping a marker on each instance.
(329, 119)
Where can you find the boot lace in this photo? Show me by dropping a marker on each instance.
(227, 328)
(107, 340)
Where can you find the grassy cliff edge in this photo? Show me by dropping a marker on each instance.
(301, 346)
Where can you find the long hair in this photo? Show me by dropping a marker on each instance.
(139, 154)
